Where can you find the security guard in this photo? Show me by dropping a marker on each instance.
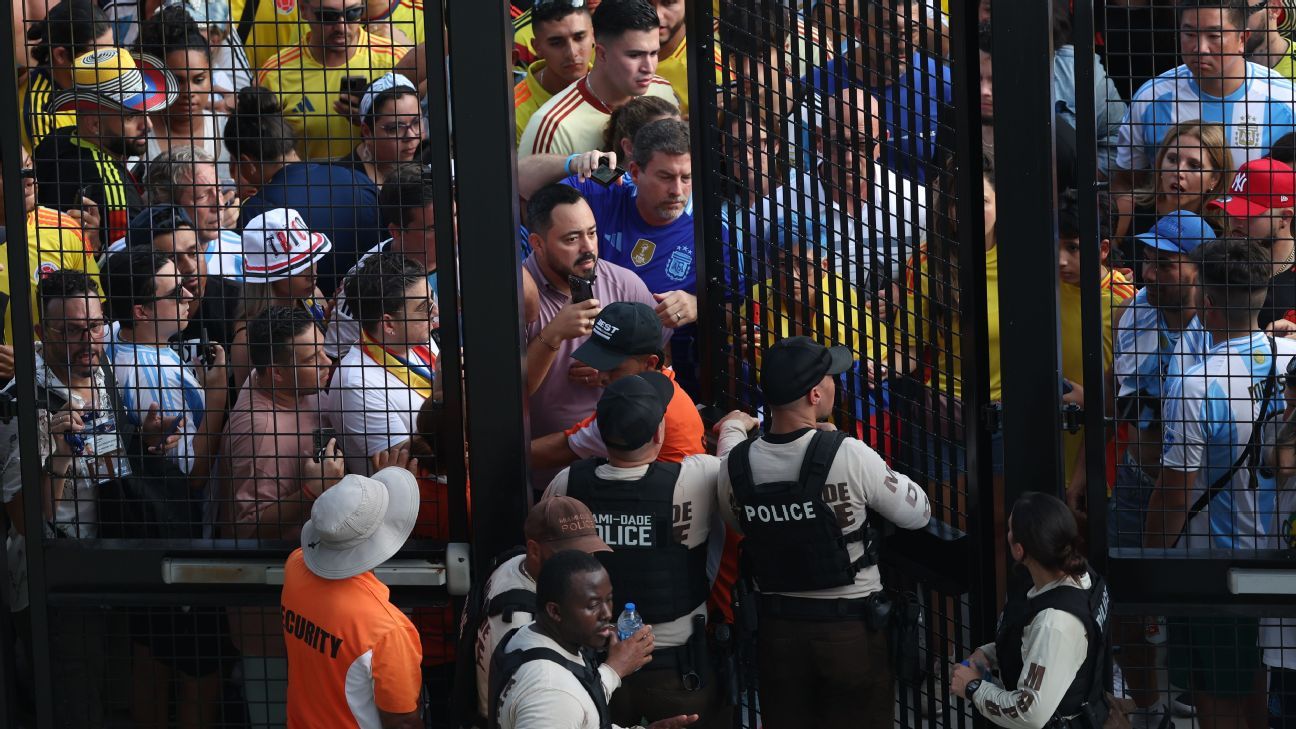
(656, 516)
(802, 495)
(1052, 647)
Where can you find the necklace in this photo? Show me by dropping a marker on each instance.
(590, 87)
(540, 76)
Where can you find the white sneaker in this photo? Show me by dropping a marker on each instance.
(1156, 716)
(1181, 707)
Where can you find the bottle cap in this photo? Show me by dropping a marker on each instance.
(630, 607)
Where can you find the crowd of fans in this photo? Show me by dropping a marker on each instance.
(233, 261)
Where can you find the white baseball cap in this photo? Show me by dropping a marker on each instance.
(385, 82)
(359, 523)
(278, 244)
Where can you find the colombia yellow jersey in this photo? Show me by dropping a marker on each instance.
(34, 93)
(276, 26)
(54, 243)
(307, 90)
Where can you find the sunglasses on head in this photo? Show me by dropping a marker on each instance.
(539, 4)
(352, 14)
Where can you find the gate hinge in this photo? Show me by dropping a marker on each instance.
(992, 416)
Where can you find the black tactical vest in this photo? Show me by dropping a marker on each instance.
(1092, 608)
(792, 540)
(504, 665)
(665, 579)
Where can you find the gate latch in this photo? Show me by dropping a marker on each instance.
(1072, 417)
(992, 416)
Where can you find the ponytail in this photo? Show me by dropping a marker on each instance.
(1046, 529)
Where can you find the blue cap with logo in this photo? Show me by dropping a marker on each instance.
(1178, 232)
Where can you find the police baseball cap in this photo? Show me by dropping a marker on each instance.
(632, 408)
(561, 522)
(1259, 186)
(622, 329)
(796, 365)
(1178, 232)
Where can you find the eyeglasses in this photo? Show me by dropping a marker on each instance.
(77, 333)
(403, 129)
(352, 14)
(176, 294)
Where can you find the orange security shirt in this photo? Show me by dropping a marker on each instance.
(350, 651)
(685, 434)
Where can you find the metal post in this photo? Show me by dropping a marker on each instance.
(1091, 300)
(20, 283)
(1026, 229)
(707, 253)
(452, 425)
(972, 316)
(489, 266)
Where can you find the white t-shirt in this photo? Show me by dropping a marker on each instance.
(869, 483)
(1055, 641)
(370, 408)
(693, 505)
(510, 575)
(544, 694)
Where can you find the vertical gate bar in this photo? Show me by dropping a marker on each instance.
(972, 316)
(489, 264)
(25, 371)
(1027, 242)
(708, 254)
(452, 435)
(1091, 300)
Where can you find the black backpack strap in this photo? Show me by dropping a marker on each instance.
(1250, 456)
(587, 674)
(511, 601)
(246, 20)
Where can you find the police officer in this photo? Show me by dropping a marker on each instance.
(1051, 649)
(656, 516)
(802, 495)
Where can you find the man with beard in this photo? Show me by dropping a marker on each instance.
(312, 80)
(646, 226)
(565, 261)
(113, 93)
(544, 674)
(1264, 44)
(1259, 207)
(1160, 320)
(81, 454)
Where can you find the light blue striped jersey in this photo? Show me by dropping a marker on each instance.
(147, 374)
(1144, 347)
(1259, 112)
(224, 255)
(1208, 415)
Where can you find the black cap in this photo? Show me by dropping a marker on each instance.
(794, 366)
(622, 329)
(155, 221)
(631, 409)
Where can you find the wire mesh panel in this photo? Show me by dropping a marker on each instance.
(232, 215)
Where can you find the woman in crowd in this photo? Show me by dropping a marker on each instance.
(392, 128)
(629, 119)
(1192, 168)
(231, 70)
(174, 38)
(1058, 621)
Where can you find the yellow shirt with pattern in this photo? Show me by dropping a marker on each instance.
(674, 68)
(307, 90)
(834, 317)
(54, 243)
(528, 97)
(34, 94)
(276, 26)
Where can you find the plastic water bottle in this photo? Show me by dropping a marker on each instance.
(629, 622)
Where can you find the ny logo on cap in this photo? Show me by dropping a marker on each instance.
(605, 330)
(1240, 182)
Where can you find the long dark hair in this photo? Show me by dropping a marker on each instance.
(1047, 530)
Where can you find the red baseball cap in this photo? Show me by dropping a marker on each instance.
(1259, 186)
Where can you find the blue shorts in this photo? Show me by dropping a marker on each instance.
(1127, 510)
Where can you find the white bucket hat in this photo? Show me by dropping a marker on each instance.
(360, 522)
(278, 244)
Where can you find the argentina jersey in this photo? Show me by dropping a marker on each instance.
(1144, 346)
(1262, 110)
(147, 374)
(1209, 413)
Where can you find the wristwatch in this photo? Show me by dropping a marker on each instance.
(971, 688)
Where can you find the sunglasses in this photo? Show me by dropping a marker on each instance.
(176, 294)
(540, 4)
(352, 14)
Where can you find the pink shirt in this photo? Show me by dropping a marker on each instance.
(263, 448)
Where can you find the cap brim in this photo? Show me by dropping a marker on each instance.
(158, 94)
(397, 524)
(840, 360)
(596, 354)
(589, 543)
(1152, 240)
(662, 384)
(1237, 206)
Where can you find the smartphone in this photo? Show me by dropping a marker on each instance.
(205, 354)
(354, 85)
(321, 437)
(605, 175)
(582, 288)
(82, 193)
